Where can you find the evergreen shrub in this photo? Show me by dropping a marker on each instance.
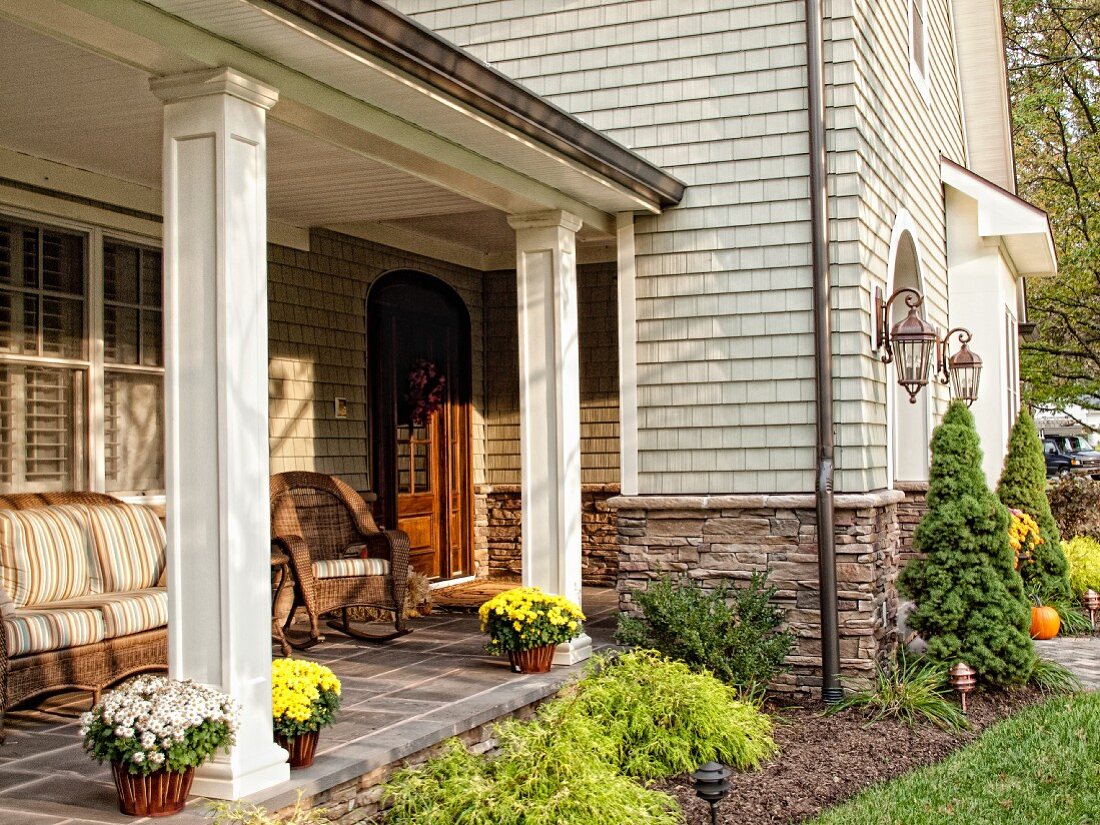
(970, 603)
(639, 715)
(736, 633)
(1023, 486)
(663, 719)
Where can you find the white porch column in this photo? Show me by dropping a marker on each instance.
(215, 270)
(549, 402)
(628, 355)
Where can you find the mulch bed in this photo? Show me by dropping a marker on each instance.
(824, 760)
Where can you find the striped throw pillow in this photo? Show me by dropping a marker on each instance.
(125, 613)
(128, 542)
(44, 554)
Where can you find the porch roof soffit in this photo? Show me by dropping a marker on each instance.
(983, 81)
(345, 95)
(1023, 228)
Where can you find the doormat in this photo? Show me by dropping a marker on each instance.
(469, 596)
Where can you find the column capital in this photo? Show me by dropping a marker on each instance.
(543, 220)
(220, 80)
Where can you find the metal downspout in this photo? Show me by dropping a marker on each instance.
(823, 351)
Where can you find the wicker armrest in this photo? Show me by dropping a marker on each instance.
(301, 564)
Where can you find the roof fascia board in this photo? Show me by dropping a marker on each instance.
(400, 41)
(1025, 228)
(149, 39)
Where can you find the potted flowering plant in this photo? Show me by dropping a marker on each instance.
(528, 624)
(155, 731)
(1023, 536)
(304, 698)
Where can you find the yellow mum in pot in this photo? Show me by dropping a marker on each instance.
(525, 618)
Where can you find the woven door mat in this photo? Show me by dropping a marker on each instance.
(470, 595)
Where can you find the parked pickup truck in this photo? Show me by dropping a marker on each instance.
(1070, 455)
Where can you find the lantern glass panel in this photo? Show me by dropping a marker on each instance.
(965, 381)
(912, 357)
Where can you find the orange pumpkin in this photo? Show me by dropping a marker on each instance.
(1044, 622)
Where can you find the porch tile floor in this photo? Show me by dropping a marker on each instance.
(398, 699)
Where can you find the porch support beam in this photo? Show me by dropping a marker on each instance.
(628, 355)
(549, 400)
(215, 271)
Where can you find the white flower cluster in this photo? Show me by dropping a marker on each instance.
(157, 712)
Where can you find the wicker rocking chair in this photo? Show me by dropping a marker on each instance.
(339, 557)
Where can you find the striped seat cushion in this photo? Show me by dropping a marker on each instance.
(33, 630)
(126, 613)
(44, 554)
(128, 542)
(335, 568)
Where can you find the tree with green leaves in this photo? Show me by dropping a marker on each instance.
(970, 603)
(1053, 50)
(1023, 486)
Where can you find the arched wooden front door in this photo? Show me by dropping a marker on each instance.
(419, 370)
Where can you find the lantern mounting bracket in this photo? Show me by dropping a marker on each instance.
(913, 299)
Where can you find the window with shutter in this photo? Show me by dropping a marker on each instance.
(50, 438)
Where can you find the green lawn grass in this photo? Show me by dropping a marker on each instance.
(1041, 767)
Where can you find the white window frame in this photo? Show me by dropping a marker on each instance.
(93, 465)
(918, 10)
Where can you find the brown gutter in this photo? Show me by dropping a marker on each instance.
(400, 41)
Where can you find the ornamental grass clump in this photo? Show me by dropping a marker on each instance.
(663, 719)
(909, 690)
(154, 723)
(524, 618)
(1023, 486)
(970, 603)
(304, 697)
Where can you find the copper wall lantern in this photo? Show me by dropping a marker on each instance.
(909, 343)
(963, 369)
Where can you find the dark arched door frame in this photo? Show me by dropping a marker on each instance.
(413, 315)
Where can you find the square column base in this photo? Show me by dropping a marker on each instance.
(573, 652)
(217, 780)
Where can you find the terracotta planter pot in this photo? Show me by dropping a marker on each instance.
(301, 748)
(535, 660)
(159, 794)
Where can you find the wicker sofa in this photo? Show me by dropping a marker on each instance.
(82, 594)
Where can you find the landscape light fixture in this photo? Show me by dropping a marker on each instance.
(909, 343)
(962, 370)
(963, 679)
(711, 786)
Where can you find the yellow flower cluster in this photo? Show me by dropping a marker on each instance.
(1023, 534)
(526, 617)
(296, 685)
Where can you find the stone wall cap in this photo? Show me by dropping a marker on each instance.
(911, 486)
(792, 501)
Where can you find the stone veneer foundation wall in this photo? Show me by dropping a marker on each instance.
(910, 511)
(599, 536)
(716, 539)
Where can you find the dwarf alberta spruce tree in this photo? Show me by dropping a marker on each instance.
(970, 603)
(1023, 485)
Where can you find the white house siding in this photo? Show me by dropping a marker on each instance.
(893, 141)
(318, 351)
(716, 96)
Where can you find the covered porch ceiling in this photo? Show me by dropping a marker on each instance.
(79, 117)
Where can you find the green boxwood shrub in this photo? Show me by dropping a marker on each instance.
(735, 633)
(663, 719)
(970, 602)
(1083, 554)
(1023, 486)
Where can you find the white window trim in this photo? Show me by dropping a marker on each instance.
(920, 78)
(94, 460)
